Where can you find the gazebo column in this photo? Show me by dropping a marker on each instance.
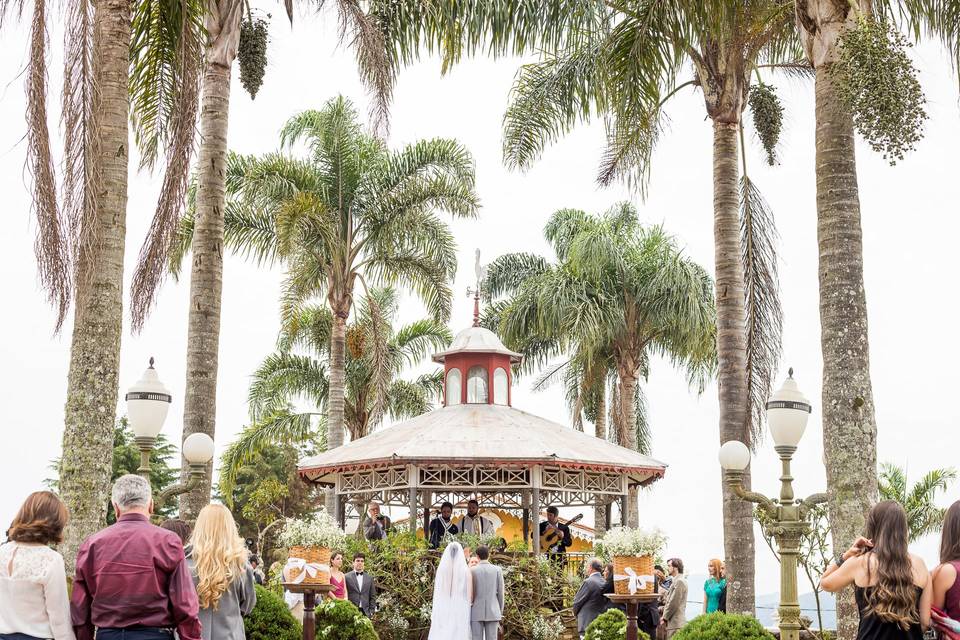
(413, 475)
(525, 515)
(535, 519)
(427, 501)
(624, 501)
(608, 515)
(341, 502)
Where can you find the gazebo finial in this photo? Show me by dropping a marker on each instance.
(481, 272)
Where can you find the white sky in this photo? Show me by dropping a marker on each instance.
(910, 232)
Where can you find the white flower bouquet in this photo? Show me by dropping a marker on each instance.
(633, 552)
(623, 541)
(310, 542)
(321, 530)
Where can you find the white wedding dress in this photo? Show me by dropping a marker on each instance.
(450, 619)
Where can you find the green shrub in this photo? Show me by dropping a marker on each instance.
(610, 625)
(341, 620)
(723, 626)
(271, 619)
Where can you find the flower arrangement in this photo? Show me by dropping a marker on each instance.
(623, 541)
(546, 628)
(633, 552)
(321, 530)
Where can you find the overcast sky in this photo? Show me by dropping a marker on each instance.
(910, 228)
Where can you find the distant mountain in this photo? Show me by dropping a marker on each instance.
(767, 605)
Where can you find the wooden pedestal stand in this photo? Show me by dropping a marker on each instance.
(633, 604)
(310, 593)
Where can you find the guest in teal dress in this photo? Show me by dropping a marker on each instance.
(715, 588)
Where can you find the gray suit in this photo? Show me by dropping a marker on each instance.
(364, 598)
(487, 606)
(675, 606)
(590, 601)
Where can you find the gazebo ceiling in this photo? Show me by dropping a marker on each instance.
(481, 435)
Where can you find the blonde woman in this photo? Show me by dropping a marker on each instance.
(224, 579)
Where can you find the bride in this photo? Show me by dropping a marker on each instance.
(452, 593)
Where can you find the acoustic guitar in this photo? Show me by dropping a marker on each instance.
(554, 537)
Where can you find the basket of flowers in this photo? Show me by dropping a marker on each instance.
(310, 542)
(633, 552)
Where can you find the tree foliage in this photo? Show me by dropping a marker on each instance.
(919, 501)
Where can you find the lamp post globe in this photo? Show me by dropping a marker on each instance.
(198, 449)
(734, 456)
(787, 413)
(148, 402)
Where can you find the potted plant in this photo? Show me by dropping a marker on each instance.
(633, 552)
(310, 542)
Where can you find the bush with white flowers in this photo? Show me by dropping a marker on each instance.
(320, 530)
(624, 541)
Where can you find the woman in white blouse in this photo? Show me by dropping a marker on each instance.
(33, 583)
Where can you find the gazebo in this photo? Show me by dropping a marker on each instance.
(479, 446)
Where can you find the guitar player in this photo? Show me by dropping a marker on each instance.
(554, 535)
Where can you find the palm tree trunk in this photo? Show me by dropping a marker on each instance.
(93, 381)
(849, 425)
(628, 409)
(206, 275)
(600, 431)
(738, 538)
(338, 340)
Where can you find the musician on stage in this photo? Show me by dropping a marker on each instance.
(554, 535)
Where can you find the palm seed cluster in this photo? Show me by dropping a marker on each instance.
(252, 54)
(877, 83)
(767, 118)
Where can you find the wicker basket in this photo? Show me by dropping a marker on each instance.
(641, 565)
(312, 555)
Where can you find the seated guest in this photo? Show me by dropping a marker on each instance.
(442, 526)
(361, 589)
(33, 583)
(217, 557)
(474, 523)
(375, 525)
(590, 601)
(132, 580)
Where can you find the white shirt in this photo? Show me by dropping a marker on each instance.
(33, 592)
(359, 581)
(476, 525)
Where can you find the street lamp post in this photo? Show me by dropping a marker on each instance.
(787, 414)
(148, 402)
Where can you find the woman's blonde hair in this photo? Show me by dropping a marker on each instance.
(219, 553)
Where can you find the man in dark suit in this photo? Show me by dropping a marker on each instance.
(590, 601)
(361, 590)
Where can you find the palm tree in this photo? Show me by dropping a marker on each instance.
(849, 421)
(622, 61)
(352, 212)
(923, 515)
(297, 372)
(184, 43)
(80, 240)
(618, 291)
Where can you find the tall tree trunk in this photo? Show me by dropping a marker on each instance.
(206, 275)
(628, 409)
(600, 431)
(338, 339)
(738, 538)
(849, 425)
(91, 407)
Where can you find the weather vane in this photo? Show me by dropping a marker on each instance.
(481, 272)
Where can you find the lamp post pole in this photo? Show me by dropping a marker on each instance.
(786, 516)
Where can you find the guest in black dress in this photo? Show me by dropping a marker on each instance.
(890, 584)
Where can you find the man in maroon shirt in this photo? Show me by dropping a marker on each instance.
(132, 581)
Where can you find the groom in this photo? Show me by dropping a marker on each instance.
(488, 590)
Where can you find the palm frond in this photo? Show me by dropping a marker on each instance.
(508, 272)
(758, 238)
(281, 427)
(282, 378)
(420, 339)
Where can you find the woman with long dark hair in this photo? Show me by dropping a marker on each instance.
(891, 585)
(946, 577)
